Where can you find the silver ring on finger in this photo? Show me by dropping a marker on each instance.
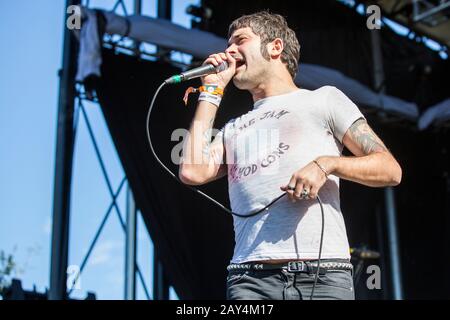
(305, 194)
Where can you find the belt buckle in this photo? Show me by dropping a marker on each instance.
(296, 266)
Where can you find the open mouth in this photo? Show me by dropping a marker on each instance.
(239, 63)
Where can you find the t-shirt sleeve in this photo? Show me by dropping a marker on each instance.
(219, 138)
(224, 132)
(341, 112)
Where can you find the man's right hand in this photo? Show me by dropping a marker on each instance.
(222, 78)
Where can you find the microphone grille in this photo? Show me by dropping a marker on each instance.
(222, 67)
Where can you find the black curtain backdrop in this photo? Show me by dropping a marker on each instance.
(194, 238)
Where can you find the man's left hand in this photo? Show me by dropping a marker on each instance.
(305, 183)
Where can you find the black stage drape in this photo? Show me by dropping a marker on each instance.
(423, 213)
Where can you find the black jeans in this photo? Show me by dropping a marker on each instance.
(284, 285)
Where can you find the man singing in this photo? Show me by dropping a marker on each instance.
(276, 251)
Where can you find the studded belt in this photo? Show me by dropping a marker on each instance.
(310, 266)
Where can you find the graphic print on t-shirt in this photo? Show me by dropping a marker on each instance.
(264, 147)
(257, 149)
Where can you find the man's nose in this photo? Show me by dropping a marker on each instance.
(231, 49)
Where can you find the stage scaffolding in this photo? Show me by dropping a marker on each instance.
(71, 107)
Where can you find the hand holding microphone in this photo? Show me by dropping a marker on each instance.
(215, 73)
(223, 77)
(218, 69)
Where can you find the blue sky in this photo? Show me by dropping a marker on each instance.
(32, 35)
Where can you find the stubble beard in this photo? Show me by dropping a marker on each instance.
(246, 81)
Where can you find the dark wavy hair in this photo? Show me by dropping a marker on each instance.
(270, 26)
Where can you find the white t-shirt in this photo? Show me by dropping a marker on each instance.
(264, 147)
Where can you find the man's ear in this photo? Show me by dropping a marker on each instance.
(275, 48)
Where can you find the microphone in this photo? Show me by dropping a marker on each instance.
(197, 72)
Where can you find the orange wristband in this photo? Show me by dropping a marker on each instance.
(209, 88)
(212, 89)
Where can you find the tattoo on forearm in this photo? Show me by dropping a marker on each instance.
(207, 138)
(364, 136)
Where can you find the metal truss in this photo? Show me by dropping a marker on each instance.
(430, 13)
(68, 119)
(81, 96)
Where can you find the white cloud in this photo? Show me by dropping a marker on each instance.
(105, 252)
(47, 226)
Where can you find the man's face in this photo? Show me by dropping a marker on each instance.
(245, 47)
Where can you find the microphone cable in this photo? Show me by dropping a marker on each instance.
(147, 126)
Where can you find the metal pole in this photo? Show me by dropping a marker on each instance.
(393, 244)
(137, 11)
(63, 166)
(137, 6)
(381, 249)
(447, 220)
(378, 71)
(388, 191)
(130, 248)
(164, 12)
(165, 9)
(160, 287)
(160, 283)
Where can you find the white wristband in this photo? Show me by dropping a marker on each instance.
(215, 99)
